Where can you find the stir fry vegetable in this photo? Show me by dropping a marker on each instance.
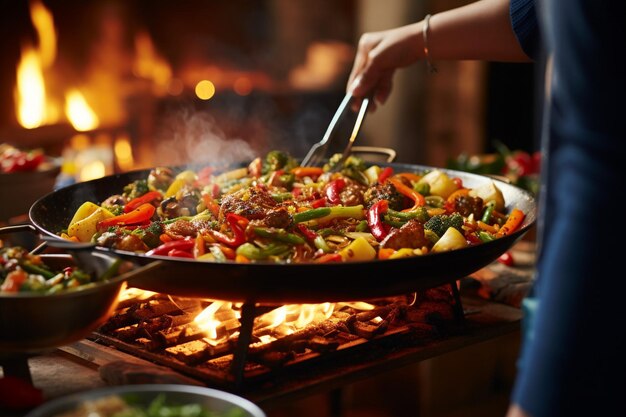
(21, 271)
(276, 211)
(160, 406)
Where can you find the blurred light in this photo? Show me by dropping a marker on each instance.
(80, 115)
(205, 90)
(123, 153)
(242, 86)
(80, 142)
(92, 170)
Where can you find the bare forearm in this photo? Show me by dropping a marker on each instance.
(480, 30)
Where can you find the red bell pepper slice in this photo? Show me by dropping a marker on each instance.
(374, 219)
(329, 257)
(148, 197)
(418, 199)
(333, 189)
(185, 244)
(141, 214)
(238, 225)
(179, 253)
(308, 233)
(384, 174)
(320, 202)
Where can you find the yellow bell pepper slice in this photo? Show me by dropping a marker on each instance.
(84, 229)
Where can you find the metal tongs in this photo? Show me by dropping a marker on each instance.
(317, 153)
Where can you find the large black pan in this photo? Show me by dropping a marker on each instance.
(289, 283)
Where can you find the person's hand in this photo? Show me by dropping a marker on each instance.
(378, 56)
(515, 411)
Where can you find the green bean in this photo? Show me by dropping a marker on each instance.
(490, 206)
(485, 237)
(279, 234)
(305, 216)
(39, 270)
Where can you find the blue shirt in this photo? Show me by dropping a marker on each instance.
(575, 361)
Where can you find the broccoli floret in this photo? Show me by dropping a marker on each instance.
(136, 189)
(351, 167)
(441, 222)
(275, 160)
(150, 235)
(352, 163)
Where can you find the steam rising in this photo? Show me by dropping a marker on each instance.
(194, 138)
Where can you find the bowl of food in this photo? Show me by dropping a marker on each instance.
(150, 400)
(25, 176)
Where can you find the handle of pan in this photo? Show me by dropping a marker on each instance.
(376, 150)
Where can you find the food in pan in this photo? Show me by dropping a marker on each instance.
(274, 210)
(22, 272)
(160, 406)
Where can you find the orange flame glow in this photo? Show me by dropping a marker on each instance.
(220, 320)
(79, 113)
(33, 108)
(124, 153)
(31, 91)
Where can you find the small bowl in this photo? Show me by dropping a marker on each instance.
(214, 400)
(19, 190)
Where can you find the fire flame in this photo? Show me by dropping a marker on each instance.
(220, 318)
(31, 91)
(80, 115)
(44, 25)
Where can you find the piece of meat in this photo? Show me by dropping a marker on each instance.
(131, 243)
(467, 205)
(251, 203)
(278, 217)
(411, 235)
(181, 228)
(352, 194)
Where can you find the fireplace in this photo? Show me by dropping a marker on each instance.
(113, 85)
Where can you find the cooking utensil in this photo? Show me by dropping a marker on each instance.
(271, 283)
(219, 402)
(317, 152)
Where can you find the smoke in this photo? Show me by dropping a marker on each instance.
(194, 138)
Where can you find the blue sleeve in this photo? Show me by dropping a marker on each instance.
(525, 26)
(575, 361)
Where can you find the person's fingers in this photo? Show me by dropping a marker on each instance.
(384, 87)
(366, 43)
